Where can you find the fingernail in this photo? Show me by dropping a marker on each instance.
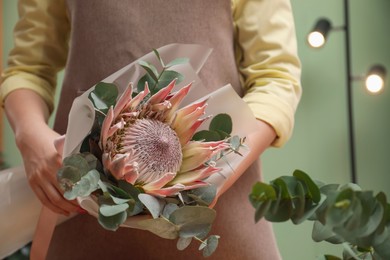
(81, 210)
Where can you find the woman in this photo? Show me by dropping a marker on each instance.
(254, 49)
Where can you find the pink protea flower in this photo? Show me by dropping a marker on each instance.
(146, 141)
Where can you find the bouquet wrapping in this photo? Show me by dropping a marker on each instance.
(157, 154)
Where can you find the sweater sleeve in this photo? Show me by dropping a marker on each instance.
(40, 49)
(267, 59)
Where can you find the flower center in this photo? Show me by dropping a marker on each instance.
(155, 147)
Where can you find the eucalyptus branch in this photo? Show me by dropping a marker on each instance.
(341, 213)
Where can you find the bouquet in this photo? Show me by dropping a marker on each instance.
(142, 160)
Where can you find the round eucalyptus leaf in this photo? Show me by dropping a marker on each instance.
(192, 215)
(206, 194)
(160, 227)
(235, 143)
(150, 69)
(119, 201)
(168, 209)
(106, 93)
(112, 210)
(321, 232)
(113, 222)
(183, 242)
(153, 204)
(77, 161)
(68, 174)
(206, 135)
(138, 207)
(194, 229)
(141, 82)
(129, 189)
(222, 122)
(260, 193)
(117, 192)
(312, 188)
(212, 244)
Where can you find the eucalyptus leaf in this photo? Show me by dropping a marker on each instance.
(205, 194)
(160, 227)
(77, 161)
(104, 95)
(130, 189)
(312, 188)
(113, 222)
(206, 135)
(112, 210)
(117, 192)
(68, 175)
(150, 69)
(168, 209)
(153, 204)
(212, 244)
(159, 57)
(235, 143)
(143, 80)
(183, 242)
(192, 215)
(222, 122)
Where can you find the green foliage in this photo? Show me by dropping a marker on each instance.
(158, 80)
(220, 128)
(104, 96)
(341, 213)
(78, 175)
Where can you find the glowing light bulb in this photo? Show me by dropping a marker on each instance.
(374, 83)
(316, 39)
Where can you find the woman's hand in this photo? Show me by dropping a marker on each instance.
(27, 113)
(41, 162)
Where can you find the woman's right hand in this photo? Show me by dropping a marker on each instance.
(41, 162)
(27, 113)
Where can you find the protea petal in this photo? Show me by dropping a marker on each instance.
(137, 99)
(187, 134)
(163, 106)
(116, 127)
(117, 165)
(192, 176)
(106, 127)
(168, 191)
(185, 111)
(124, 99)
(176, 99)
(162, 94)
(131, 175)
(192, 148)
(161, 182)
(195, 185)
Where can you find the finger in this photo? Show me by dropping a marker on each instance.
(56, 197)
(46, 202)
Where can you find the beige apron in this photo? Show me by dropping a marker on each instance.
(107, 35)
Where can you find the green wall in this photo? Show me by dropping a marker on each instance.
(319, 145)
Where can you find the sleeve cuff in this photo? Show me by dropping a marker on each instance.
(274, 112)
(28, 81)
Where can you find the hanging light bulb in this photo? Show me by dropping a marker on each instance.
(317, 37)
(375, 79)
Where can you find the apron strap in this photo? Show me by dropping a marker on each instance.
(43, 234)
